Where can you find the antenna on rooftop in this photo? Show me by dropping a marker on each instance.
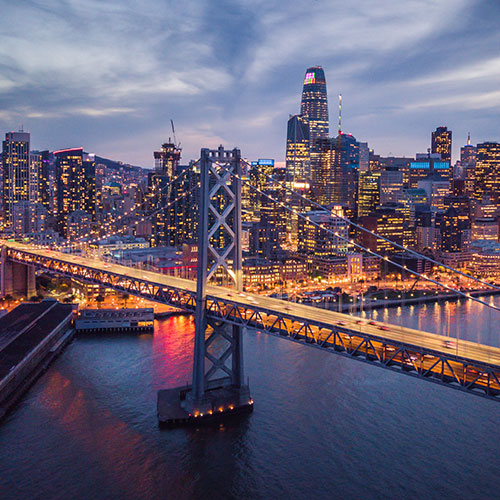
(340, 113)
(468, 139)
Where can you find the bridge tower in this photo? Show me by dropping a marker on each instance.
(218, 384)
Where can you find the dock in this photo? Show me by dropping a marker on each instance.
(31, 336)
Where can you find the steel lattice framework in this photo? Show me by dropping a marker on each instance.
(219, 257)
(449, 368)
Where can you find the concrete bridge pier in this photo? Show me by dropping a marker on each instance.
(16, 278)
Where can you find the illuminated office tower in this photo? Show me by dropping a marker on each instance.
(451, 231)
(327, 186)
(17, 173)
(368, 192)
(75, 174)
(441, 143)
(347, 179)
(429, 164)
(391, 185)
(46, 189)
(468, 162)
(161, 192)
(487, 172)
(386, 222)
(259, 175)
(298, 158)
(314, 107)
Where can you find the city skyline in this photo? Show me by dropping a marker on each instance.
(401, 75)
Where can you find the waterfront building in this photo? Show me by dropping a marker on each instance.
(455, 230)
(319, 243)
(386, 222)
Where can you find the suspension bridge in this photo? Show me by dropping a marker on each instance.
(222, 313)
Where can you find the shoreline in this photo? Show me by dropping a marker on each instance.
(381, 304)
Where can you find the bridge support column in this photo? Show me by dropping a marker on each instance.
(16, 278)
(218, 387)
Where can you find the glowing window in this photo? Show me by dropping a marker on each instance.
(310, 78)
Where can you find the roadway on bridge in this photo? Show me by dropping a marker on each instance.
(292, 311)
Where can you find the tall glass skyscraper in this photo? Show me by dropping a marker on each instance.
(314, 107)
(314, 104)
(16, 171)
(298, 149)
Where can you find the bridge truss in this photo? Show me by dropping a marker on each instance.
(463, 367)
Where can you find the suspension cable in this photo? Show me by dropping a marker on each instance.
(357, 245)
(142, 219)
(397, 245)
(133, 208)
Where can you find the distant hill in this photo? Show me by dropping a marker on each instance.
(113, 164)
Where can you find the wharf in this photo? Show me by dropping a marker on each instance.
(31, 336)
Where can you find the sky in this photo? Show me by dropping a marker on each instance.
(109, 75)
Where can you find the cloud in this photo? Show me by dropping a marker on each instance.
(110, 75)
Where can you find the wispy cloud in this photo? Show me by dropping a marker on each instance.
(111, 74)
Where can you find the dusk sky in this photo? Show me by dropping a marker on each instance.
(109, 75)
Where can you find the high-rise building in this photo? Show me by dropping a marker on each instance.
(429, 164)
(391, 185)
(314, 108)
(368, 192)
(346, 179)
(75, 174)
(468, 163)
(317, 242)
(386, 222)
(441, 143)
(17, 172)
(451, 231)
(161, 194)
(167, 159)
(298, 155)
(487, 172)
(28, 218)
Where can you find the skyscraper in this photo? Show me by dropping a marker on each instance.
(16, 171)
(298, 156)
(314, 107)
(487, 172)
(75, 174)
(441, 143)
(468, 163)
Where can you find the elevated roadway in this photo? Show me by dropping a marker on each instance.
(459, 363)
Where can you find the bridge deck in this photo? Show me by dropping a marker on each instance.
(465, 362)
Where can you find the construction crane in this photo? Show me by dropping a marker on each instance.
(173, 133)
